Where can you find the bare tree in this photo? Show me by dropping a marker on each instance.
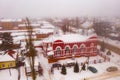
(66, 24)
(31, 52)
(102, 28)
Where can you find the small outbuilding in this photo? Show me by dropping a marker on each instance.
(6, 61)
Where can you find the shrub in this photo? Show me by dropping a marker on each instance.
(76, 68)
(63, 70)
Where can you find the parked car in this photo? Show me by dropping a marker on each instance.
(92, 69)
(70, 64)
(112, 68)
(56, 65)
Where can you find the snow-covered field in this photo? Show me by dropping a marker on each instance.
(112, 42)
(116, 78)
(9, 74)
(12, 74)
(101, 67)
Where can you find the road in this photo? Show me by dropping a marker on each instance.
(105, 76)
(111, 47)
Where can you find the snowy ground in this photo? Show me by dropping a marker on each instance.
(115, 58)
(81, 75)
(101, 67)
(12, 74)
(116, 78)
(9, 74)
(112, 42)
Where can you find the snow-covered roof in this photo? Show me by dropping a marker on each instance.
(50, 53)
(86, 24)
(114, 34)
(19, 33)
(37, 43)
(45, 22)
(11, 20)
(45, 31)
(33, 24)
(6, 57)
(49, 48)
(23, 31)
(68, 38)
(13, 30)
(20, 38)
(21, 25)
(48, 26)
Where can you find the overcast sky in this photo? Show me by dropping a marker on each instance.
(58, 8)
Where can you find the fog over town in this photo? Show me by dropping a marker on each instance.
(58, 8)
(59, 39)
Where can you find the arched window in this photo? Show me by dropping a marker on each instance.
(92, 47)
(58, 51)
(75, 49)
(82, 48)
(67, 50)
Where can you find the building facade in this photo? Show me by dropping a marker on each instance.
(70, 46)
(7, 64)
(10, 24)
(6, 61)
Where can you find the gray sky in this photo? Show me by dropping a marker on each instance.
(58, 8)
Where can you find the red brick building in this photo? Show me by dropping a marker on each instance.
(10, 24)
(68, 46)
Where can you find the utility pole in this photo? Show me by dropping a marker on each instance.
(31, 53)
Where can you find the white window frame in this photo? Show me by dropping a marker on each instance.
(73, 49)
(58, 54)
(84, 47)
(69, 49)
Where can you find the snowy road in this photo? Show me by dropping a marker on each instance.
(105, 76)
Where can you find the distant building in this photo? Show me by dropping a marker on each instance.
(6, 61)
(23, 26)
(69, 46)
(45, 30)
(9, 24)
(43, 33)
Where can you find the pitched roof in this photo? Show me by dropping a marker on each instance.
(6, 57)
(68, 38)
(11, 20)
